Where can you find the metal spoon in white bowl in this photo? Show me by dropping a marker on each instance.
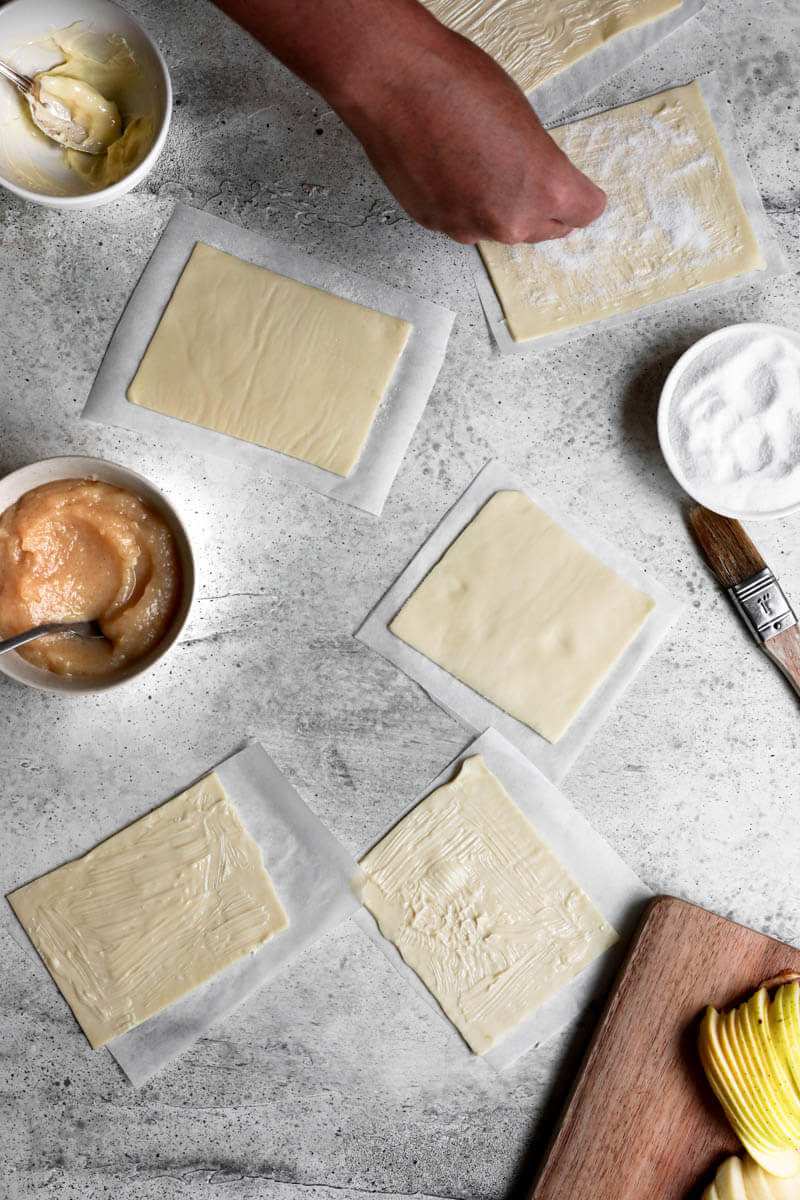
(68, 110)
(87, 629)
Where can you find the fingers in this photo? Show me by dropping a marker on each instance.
(539, 230)
(545, 231)
(579, 201)
(573, 202)
(574, 209)
(551, 231)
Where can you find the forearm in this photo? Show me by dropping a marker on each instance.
(450, 133)
(345, 49)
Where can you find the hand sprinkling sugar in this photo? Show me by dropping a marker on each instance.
(450, 134)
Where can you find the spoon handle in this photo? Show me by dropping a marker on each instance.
(23, 82)
(28, 636)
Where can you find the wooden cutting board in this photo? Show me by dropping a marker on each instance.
(641, 1122)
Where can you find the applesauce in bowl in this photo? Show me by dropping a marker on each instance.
(98, 544)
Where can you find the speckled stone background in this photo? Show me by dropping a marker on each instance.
(337, 1081)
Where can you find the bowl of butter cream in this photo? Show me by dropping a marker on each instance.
(86, 539)
(97, 44)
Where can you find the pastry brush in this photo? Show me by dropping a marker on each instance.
(752, 587)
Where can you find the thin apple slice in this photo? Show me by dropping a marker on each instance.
(771, 1077)
(761, 1186)
(752, 1101)
(783, 1164)
(730, 1181)
(720, 1066)
(744, 1179)
(781, 1029)
(758, 1084)
(774, 1154)
(758, 1008)
(787, 1007)
(723, 1074)
(758, 1185)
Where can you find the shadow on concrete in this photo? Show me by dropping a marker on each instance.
(554, 1105)
(11, 460)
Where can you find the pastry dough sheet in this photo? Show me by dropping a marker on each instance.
(371, 479)
(533, 40)
(461, 701)
(244, 351)
(674, 221)
(523, 614)
(595, 866)
(480, 907)
(152, 912)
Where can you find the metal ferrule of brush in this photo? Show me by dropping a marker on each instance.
(764, 607)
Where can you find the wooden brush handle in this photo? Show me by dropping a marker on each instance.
(784, 650)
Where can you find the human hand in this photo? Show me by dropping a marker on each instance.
(450, 133)
(460, 147)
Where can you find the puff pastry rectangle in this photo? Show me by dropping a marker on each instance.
(152, 912)
(674, 221)
(525, 615)
(256, 355)
(480, 907)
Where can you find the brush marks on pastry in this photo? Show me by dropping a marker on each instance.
(151, 913)
(479, 906)
(535, 39)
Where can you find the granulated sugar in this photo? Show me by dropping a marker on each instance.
(734, 422)
(673, 222)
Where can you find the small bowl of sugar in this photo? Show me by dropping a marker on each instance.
(729, 421)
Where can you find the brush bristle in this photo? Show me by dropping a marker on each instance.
(730, 552)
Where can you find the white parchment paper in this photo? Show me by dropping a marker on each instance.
(618, 893)
(572, 85)
(370, 481)
(319, 886)
(468, 706)
(771, 252)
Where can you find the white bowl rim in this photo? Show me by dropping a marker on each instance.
(49, 681)
(665, 401)
(129, 181)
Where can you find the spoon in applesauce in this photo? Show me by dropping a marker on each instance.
(70, 111)
(86, 629)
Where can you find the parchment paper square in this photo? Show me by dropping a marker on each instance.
(613, 887)
(571, 86)
(466, 705)
(774, 259)
(370, 480)
(317, 881)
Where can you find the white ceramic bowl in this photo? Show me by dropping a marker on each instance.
(78, 467)
(705, 495)
(22, 21)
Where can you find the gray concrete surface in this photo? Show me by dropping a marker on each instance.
(336, 1082)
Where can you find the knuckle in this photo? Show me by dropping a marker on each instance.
(517, 232)
(559, 194)
(507, 231)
